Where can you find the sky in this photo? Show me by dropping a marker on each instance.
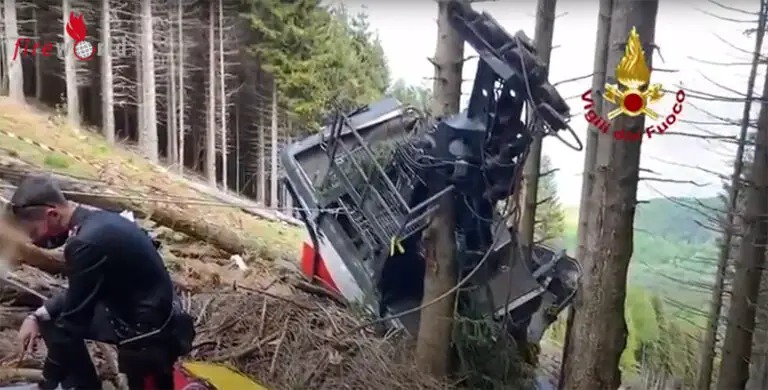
(687, 33)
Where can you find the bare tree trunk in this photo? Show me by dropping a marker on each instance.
(171, 129)
(237, 145)
(223, 102)
(288, 206)
(3, 63)
(706, 360)
(433, 348)
(15, 71)
(590, 153)
(38, 59)
(598, 83)
(70, 72)
(181, 110)
(610, 234)
(737, 346)
(107, 92)
(758, 363)
(140, 96)
(261, 191)
(758, 367)
(545, 28)
(273, 151)
(148, 140)
(210, 138)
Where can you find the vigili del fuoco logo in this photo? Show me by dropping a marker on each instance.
(633, 95)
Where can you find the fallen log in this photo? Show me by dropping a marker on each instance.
(9, 375)
(247, 206)
(28, 286)
(168, 215)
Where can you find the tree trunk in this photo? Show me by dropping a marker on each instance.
(107, 92)
(433, 348)
(737, 346)
(237, 145)
(758, 368)
(181, 110)
(3, 63)
(590, 153)
(70, 71)
(15, 72)
(210, 137)
(38, 59)
(223, 97)
(610, 230)
(261, 190)
(758, 364)
(545, 29)
(273, 151)
(288, 204)
(141, 118)
(148, 140)
(171, 130)
(706, 360)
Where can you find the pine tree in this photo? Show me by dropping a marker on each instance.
(550, 217)
(319, 57)
(419, 97)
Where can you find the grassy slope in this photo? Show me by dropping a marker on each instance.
(130, 174)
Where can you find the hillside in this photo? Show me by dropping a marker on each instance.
(255, 317)
(131, 175)
(672, 245)
(678, 219)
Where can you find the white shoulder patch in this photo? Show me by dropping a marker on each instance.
(128, 214)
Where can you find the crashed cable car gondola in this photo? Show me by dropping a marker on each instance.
(367, 184)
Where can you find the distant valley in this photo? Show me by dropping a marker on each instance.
(674, 251)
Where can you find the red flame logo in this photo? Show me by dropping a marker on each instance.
(76, 27)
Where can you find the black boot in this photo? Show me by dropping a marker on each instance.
(46, 384)
(66, 384)
(53, 374)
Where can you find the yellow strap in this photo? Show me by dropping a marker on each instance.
(221, 377)
(396, 246)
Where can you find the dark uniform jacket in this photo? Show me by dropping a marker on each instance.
(111, 261)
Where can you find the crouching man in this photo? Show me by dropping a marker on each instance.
(119, 293)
